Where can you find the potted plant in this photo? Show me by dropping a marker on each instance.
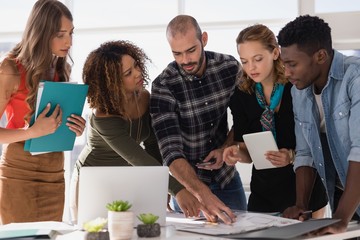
(95, 229)
(149, 228)
(120, 220)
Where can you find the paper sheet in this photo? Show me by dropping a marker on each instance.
(245, 222)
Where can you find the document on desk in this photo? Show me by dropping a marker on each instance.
(245, 222)
(286, 232)
(34, 230)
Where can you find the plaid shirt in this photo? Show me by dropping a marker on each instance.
(189, 114)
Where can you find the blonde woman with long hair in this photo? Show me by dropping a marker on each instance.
(262, 102)
(32, 187)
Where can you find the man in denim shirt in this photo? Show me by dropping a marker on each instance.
(188, 107)
(326, 104)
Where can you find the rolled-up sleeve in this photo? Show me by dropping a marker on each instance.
(354, 119)
(303, 155)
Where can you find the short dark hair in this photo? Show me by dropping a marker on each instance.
(181, 24)
(309, 33)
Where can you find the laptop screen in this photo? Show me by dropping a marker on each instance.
(145, 187)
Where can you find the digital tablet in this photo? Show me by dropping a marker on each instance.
(258, 144)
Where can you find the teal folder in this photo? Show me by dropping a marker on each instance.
(71, 98)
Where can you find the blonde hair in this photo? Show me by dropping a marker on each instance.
(34, 50)
(266, 37)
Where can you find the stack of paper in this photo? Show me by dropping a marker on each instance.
(254, 226)
(34, 230)
(245, 222)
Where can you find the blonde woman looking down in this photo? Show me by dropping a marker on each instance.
(262, 102)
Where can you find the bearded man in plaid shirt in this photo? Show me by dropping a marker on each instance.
(188, 107)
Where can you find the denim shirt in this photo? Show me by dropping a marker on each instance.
(341, 102)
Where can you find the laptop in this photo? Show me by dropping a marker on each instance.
(145, 187)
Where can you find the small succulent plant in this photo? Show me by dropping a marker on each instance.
(149, 228)
(118, 206)
(95, 225)
(147, 218)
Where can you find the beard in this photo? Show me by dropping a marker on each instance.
(197, 65)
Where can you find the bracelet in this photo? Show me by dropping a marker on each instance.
(292, 156)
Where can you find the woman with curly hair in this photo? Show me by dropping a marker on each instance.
(32, 187)
(116, 74)
(263, 102)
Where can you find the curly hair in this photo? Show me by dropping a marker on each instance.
(309, 33)
(102, 72)
(266, 37)
(34, 51)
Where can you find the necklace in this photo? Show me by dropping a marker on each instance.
(139, 126)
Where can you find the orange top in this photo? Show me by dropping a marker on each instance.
(17, 107)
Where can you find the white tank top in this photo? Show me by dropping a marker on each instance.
(321, 112)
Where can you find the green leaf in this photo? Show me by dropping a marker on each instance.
(148, 218)
(118, 206)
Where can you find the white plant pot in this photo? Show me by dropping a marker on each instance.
(120, 225)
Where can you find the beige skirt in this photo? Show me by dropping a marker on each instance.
(32, 187)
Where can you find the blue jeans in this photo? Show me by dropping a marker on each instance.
(233, 195)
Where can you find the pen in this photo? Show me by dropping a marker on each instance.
(307, 214)
(211, 223)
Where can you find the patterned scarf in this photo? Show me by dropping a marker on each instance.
(267, 119)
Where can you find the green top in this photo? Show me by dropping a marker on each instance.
(110, 143)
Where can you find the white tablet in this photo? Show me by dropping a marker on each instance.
(258, 144)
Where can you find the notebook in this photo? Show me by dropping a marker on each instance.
(145, 187)
(71, 98)
(28, 234)
(258, 144)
